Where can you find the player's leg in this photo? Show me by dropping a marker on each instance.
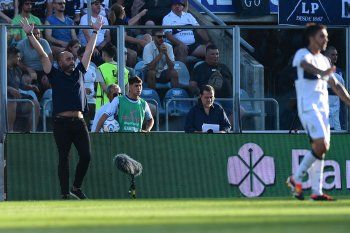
(316, 177)
(295, 181)
(313, 123)
(316, 172)
(319, 148)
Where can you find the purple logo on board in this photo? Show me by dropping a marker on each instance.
(251, 170)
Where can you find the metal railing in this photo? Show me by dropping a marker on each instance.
(277, 123)
(167, 103)
(121, 58)
(236, 66)
(275, 102)
(153, 101)
(33, 110)
(3, 81)
(44, 113)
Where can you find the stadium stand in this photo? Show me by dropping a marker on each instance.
(184, 74)
(177, 107)
(150, 94)
(262, 69)
(139, 70)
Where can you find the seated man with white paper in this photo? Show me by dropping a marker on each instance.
(207, 117)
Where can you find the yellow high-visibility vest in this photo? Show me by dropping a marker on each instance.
(109, 73)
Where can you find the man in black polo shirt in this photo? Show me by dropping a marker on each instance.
(69, 101)
(206, 112)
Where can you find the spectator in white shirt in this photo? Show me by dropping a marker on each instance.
(103, 35)
(89, 84)
(159, 59)
(184, 41)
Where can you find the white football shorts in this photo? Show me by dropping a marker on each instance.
(316, 124)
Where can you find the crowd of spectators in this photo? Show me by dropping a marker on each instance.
(158, 49)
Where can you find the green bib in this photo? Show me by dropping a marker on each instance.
(109, 73)
(130, 114)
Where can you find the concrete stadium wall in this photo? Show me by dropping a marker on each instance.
(176, 165)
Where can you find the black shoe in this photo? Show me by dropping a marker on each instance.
(65, 196)
(78, 194)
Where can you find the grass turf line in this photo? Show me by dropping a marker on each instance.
(170, 216)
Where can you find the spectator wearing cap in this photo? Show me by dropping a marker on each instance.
(103, 36)
(104, 6)
(184, 41)
(159, 59)
(157, 9)
(59, 38)
(25, 8)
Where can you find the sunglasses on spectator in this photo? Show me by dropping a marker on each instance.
(117, 94)
(160, 36)
(28, 3)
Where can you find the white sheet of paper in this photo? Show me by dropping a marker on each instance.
(214, 127)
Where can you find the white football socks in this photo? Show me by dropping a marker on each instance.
(316, 175)
(306, 163)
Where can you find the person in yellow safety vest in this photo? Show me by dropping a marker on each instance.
(107, 74)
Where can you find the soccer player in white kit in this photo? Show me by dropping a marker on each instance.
(314, 72)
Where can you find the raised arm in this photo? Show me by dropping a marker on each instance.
(91, 43)
(28, 29)
(5, 17)
(134, 20)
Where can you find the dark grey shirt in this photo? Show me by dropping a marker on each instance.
(30, 56)
(14, 79)
(202, 73)
(68, 92)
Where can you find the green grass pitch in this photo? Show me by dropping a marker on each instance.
(170, 216)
